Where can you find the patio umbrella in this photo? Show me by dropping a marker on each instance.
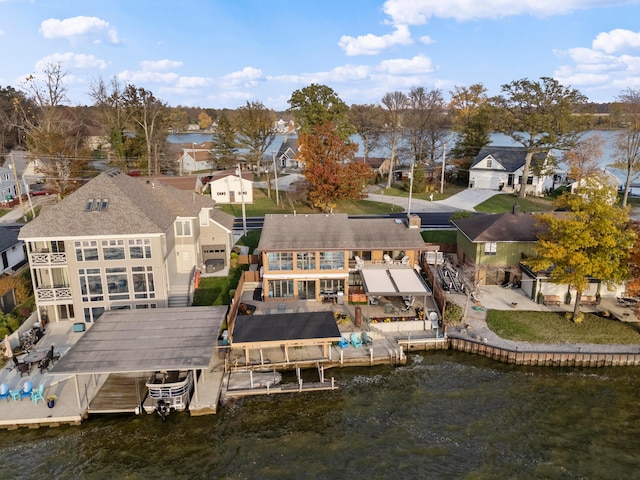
(8, 351)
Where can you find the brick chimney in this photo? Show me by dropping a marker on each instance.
(414, 221)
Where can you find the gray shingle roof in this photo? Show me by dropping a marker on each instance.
(135, 206)
(336, 232)
(500, 227)
(8, 237)
(511, 158)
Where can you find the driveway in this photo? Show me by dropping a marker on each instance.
(465, 200)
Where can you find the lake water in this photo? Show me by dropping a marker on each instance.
(445, 415)
(496, 139)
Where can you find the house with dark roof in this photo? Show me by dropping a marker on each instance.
(312, 257)
(287, 155)
(122, 242)
(501, 168)
(493, 245)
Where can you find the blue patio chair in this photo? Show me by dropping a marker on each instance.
(37, 394)
(26, 389)
(344, 342)
(355, 340)
(4, 391)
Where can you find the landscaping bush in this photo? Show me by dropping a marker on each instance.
(452, 313)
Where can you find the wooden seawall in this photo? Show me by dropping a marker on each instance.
(545, 359)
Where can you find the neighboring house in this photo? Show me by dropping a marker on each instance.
(121, 242)
(603, 178)
(12, 252)
(9, 186)
(375, 164)
(197, 158)
(501, 168)
(230, 188)
(287, 156)
(493, 245)
(26, 165)
(306, 257)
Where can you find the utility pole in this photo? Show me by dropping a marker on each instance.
(244, 214)
(18, 189)
(444, 149)
(410, 187)
(275, 173)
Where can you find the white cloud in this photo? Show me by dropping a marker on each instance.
(248, 76)
(418, 12)
(71, 60)
(139, 78)
(616, 40)
(373, 44)
(72, 28)
(427, 40)
(155, 65)
(401, 66)
(193, 82)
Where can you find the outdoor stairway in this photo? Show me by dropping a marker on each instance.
(179, 296)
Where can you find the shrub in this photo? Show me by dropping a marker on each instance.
(452, 313)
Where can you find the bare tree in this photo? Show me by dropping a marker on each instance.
(369, 122)
(255, 126)
(112, 114)
(627, 144)
(425, 124)
(396, 104)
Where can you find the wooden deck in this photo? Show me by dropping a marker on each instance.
(120, 393)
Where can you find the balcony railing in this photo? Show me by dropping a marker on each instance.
(46, 258)
(53, 293)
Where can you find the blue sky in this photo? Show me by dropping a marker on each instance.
(222, 53)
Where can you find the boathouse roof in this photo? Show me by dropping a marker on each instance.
(128, 341)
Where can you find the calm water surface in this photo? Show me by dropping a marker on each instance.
(444, 415)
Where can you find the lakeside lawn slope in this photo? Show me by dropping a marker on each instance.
(552, 327)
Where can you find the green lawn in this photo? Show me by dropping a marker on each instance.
(250, 240)
(550, 327)
(397, 190)
(439, 236)
(504, 203)
(215, 290)
(263, 205)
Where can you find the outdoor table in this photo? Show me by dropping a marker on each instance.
(35, 357)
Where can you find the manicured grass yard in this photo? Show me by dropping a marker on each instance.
(215, 290)
(550, 327)
(504, 203)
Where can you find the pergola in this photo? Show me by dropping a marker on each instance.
(394, 282)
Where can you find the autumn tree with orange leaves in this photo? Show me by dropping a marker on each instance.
(330, 171)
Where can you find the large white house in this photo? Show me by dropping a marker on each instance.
(230, 188)
(501, 168)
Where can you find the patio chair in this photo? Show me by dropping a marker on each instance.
(44, 364)
(387, 259)
(389, 308)
(37, 394)
(4, 391)
(359, 262)
(405, 260)
(355, 340)
(366, 339)
(344, 342)
(53, 357)
(26, 389)
(22, 367)
(374, 300)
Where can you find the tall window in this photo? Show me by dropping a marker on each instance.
(139, 248)
(306, 260)
(143, 286)
(280, 260)
(281, 288)
(113, 249)
(183, 228)
(117, 283)
(86, 250)
(90, 284)
(332, 260)
(332, 284)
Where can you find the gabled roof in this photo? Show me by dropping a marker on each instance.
(372, 162)
(511, 158)
(187, 182)
(134, 206)
(231, 173)
(8, 237)
(337, 232)
(500, 227)
(288, 143)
